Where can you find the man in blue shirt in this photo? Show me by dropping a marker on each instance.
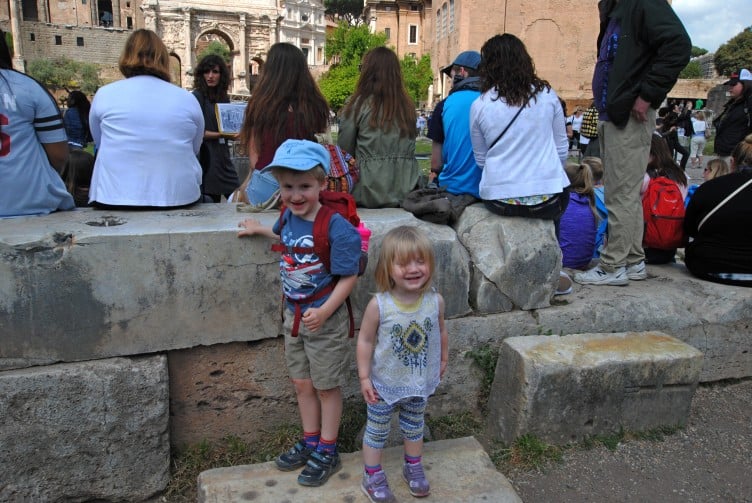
(452, 159)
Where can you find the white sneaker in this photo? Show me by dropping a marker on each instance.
(597, 276)
(637, 272)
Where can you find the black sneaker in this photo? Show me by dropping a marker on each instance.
(295, 457)
(319, 468)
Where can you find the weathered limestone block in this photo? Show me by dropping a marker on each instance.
(452, 275)
(96, 284)
(85, 431)
(516, 261)
(459, 471)
(563, 389)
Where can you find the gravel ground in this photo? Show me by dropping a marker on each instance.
(710, 460)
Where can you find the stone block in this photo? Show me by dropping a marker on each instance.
(93, 431)
(458, 470)
(563, 389)
(94, 284)
(516, 260)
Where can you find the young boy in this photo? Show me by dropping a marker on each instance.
(316, 343)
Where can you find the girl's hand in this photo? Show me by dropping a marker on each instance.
(442, 369)
(250, 227)
(369, 393)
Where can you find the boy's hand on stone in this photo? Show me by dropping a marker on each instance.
(369, 394)
(250, 227)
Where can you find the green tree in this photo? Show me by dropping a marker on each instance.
(218, 48)
(64, 73)
(418, 76)
(698, 51)
(350, 11)
(347, 44)
(338, 84)
(693, 70)
(734, 54)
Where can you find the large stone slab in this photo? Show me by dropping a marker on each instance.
(93, 431)
(94, 284)
(516, 261)
(563, 389)
(458, 470)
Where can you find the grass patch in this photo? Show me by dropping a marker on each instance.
(485, 359)
(458, 425)
(189, 462)
(423, 146)
(528, 452)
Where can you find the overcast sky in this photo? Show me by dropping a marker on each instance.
(711, 23)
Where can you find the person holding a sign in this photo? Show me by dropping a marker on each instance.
(210, 82)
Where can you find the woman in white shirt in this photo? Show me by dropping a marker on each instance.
(519, 135)
(697, 143)
(147, 131)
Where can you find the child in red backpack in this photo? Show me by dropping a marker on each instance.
(661, 164)
(317, 352)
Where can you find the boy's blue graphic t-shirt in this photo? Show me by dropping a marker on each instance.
(303, 275)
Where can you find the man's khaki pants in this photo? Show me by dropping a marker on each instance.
(625, 153)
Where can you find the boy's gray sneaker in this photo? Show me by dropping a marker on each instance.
(377, 488)
(319, 468)
(597, 276)
(416, 479)
(637, 272)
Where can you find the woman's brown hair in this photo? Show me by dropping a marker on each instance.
(506, 66)
(285, 85)
(381, 86)
(145, 54)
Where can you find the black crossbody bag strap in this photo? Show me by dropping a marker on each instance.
(510, 123)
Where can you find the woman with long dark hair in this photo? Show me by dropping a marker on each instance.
(519, 135)
(286, 104)
(76, 120)
(378, 129)
(211, 81)
(33, 146)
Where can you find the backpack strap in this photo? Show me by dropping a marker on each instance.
(322, 248)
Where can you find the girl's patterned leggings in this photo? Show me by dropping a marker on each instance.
(411, 420)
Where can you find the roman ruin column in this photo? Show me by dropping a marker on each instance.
(15, 30)
(241, 69)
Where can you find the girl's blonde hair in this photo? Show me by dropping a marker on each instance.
(399, 246)
(596, 167)
(717, 167)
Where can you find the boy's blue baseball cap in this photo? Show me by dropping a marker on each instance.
(300, 155)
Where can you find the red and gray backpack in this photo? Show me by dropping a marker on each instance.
(331, 203)
(663, 212)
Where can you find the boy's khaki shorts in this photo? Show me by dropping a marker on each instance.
(321, 356)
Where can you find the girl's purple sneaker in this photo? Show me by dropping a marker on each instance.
(377, 488)
(416, 479)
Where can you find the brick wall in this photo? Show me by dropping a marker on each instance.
(100, 45)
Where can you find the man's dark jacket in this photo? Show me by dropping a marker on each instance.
(653, 48)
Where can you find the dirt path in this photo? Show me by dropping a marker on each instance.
(710, 460)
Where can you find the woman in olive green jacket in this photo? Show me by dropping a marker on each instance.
(377, 127)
